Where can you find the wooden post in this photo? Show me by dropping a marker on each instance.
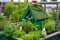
(57, 20)
(56, 7)
(44, 7)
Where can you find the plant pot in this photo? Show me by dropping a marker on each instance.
(19, 39)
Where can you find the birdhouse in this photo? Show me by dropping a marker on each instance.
(36, 17)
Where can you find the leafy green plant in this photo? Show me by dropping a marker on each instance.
(59, 27)
(9, 8)
(50, 16)
(28, 26)
(1, 33)
(15, 16)
(50, 25)
(17, 13)
(9, 28)
(59, 15)
(21, 7)
(18, 33)
(2, 21)
(36, 35)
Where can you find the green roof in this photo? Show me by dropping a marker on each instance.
(37, 14)
(40, 15)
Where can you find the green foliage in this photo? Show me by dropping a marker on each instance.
(36, 35)
(1, 33)
(59, 27)
(38, 8)
(9, 28)
(9, 8)
(18, 33)
(2, 21)
(17, 13)
(28, 26)
(15, 16)
(50, 25)
(44, 0)
(21, 8)
(50, 16)
(54, 13)
(59, 15)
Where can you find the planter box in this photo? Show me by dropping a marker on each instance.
(3, 38)
(6, 38)
(53, 36)
(59, 37)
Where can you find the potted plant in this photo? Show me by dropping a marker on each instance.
(50, 26)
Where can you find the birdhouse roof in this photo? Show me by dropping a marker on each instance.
(37, 14)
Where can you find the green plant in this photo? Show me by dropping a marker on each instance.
(15, 16)
(18, 33)
(59, 27)
(50, 25)
(59, 15)
(28, 26)
(38, 8)
(17, 13)
(21, 7)
(50, 16)
(36, 35)
(9, 8)
(9, 28)
(1, 33)
(2, 21)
